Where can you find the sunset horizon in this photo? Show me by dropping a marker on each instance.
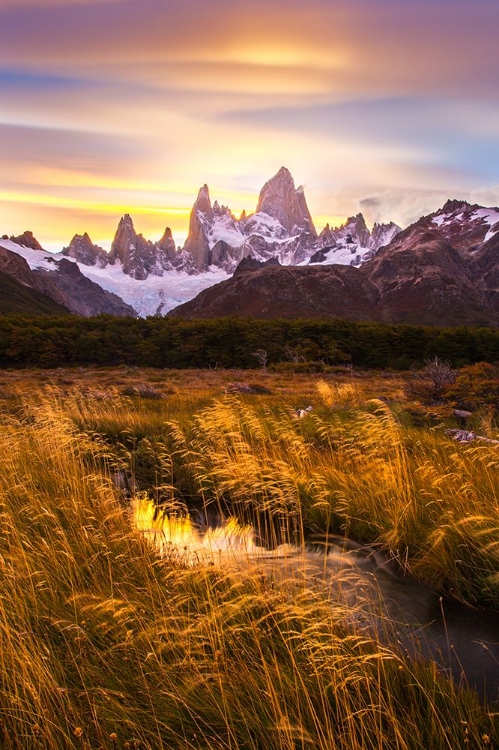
(115, 106)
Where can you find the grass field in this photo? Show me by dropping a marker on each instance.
(106, 643)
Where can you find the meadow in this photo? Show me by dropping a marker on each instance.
(109, 639)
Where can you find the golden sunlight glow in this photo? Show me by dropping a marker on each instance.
(78, 203)
(290, 54)
(60, 177)
(335, 220)
(155, 217)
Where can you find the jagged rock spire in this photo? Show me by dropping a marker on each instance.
(136, 254)
(201, 219)
(167, 245)
(82, 249)
(280, 199)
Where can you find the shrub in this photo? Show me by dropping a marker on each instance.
(475, 386)
(144, 390)
(430, 384)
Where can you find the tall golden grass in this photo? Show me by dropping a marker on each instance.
(426, 501)
(106, 643)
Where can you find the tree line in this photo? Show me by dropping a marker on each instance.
(235, 343)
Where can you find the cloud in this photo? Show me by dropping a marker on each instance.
(38, 146)
(33, 4)
(401, 206)
(406, 206)
(383, 49)
(140, 102)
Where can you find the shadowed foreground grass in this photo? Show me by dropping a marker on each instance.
(104, 644)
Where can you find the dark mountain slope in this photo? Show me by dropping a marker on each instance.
(418, 278)
(20, 299)
(287, 292)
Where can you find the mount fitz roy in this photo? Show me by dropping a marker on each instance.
(151, 278)
(443, 269)
(281, 228)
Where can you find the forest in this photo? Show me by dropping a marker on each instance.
(242, 343)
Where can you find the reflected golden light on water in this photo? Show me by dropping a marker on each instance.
(175, 534)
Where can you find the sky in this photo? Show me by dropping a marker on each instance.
(129, 106)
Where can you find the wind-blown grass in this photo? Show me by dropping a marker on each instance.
(425, 500)
(105, 643)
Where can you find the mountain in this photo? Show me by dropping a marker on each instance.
(154, 277)
(465, 226)
(82, 249)
(281, 227)
(353, 243)
(273, 291)
(442, 270)
(422, 278)
(25, 240)
(139, 258)
(59, 279)
(16, 297)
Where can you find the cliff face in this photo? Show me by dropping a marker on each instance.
(131, 249)
(82, 249)
(200, 223)
(141, 258)
(282, 201)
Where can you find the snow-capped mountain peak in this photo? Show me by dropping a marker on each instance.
(352, 243)
(282, 201)
(464, 225)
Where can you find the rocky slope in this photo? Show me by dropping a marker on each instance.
(16, 297)
(422, 278)
(59, 279)
(273, 291)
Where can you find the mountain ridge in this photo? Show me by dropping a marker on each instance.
(418, 277)
(442, 266)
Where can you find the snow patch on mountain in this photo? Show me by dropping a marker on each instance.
(225, 229)
(343, 254)
(491, 218)
(34, 258)
(479, 222)
(155, 295)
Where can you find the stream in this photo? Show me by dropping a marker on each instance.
(462, 641)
